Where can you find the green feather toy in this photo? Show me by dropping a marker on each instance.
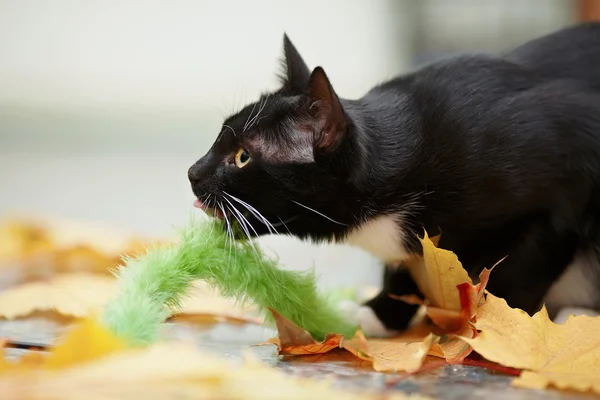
(159, 280)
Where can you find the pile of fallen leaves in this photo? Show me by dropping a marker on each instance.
(462, 320)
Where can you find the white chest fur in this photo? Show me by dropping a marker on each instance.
(382, 237)
(577, 287)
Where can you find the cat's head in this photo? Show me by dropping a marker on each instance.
(282, 164)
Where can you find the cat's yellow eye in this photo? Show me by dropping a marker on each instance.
(242, 158)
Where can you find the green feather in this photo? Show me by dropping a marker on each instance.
(159, 280)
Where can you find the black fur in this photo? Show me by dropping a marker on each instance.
(500, 155)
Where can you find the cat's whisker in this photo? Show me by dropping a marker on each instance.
(257, 214)
(240, 215)
(261, 108)
(250, 209)
(248, 119)
(281, 222)
(230, 128)
(229, 230)
(208, 199)
(319, 213)
(254, 212)
(237, 216)
(212, 203)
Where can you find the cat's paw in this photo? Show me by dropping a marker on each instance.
(365, 318)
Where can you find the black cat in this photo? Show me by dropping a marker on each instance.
(500, 155)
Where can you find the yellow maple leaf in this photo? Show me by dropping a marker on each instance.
(451, 299)
(452, 349)
(437, 274)
(398, 353)
(84, 342)
(88, 340)
(566, 356)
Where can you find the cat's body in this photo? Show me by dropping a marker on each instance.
(499, 155)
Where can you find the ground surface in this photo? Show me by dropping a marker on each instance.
(452, 382)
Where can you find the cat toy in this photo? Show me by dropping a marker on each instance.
(157, 281)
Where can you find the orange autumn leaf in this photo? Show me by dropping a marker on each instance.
(294, 341)
(402, 353)
(331, 342)
(565, 356)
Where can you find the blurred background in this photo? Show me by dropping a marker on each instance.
(105, 104)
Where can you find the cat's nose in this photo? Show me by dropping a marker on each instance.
(194, 174)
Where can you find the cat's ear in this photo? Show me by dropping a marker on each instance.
(326, 109)
(296, 73)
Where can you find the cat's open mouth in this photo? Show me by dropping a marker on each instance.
(210, 211)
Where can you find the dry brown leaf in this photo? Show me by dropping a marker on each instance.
(79, 295)
(18, 239)
(43, 233)
(37, 248)
(337, 356)
(92, 364)
(402, 353)
(565, 356)
(71, 295)
(292, 340)
(452, 349)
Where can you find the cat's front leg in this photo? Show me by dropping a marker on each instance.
(383, 315)
(534, 264)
